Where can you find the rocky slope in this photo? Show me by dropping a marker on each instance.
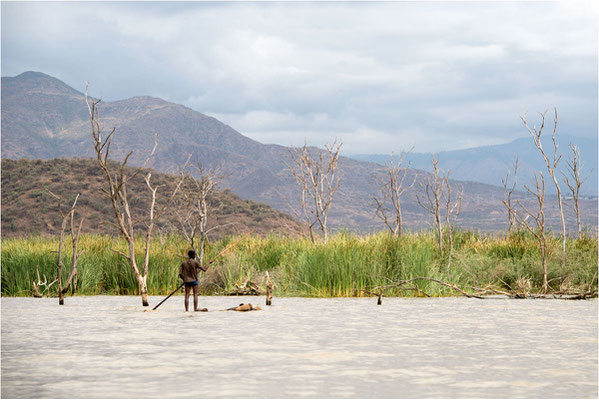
(28, 208)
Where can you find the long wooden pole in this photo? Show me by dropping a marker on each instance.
(167, 297)
(207, 265)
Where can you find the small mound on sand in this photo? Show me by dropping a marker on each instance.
(244, 307)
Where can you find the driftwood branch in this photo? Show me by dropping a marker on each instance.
(449, 285)
(521, 292)
(40, 289)
(247, 288)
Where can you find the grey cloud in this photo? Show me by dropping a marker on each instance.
(437, 75)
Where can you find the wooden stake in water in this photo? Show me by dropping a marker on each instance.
(269, 287)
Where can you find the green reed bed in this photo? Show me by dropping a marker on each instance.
(345, 266)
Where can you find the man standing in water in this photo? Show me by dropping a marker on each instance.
(189, 273)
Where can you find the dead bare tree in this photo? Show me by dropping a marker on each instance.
(75, 234)
(433, 188)
(452, 211)
(117, 179)
(191, 207)
(575, 182)
(539, 218)
(269, 289)
(509, 190)
(391, 188)
(318, 181)
(551, 167)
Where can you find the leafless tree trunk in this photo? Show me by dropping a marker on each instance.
(452, 211)
(574, 167)
(75, 234)
(551, 167)
(192, 206)
(117, 193)
(269, 289)
(391, 189)
(539, 219)
(318, 182)
(508, 194)
(433, 188)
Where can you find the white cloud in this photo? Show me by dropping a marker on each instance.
(381, 75)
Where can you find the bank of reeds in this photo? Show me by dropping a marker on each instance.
(344, 266)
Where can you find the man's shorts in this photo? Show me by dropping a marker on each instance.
(191, 283)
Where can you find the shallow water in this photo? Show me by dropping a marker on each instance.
(299, 347)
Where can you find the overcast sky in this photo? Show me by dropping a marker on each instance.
(381, 76)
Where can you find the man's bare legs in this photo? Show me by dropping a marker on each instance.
(195, 298)
(187, 290)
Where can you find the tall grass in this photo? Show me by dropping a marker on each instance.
(344, 266)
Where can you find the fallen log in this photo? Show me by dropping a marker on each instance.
(412, 280)
(522, 292)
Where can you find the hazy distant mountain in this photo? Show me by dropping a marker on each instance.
(489, 164)
(44, 118)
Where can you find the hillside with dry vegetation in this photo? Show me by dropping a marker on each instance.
(29, 209)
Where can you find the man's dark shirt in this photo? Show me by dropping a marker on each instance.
(189, 270)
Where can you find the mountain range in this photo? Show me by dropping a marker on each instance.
(42, 117)
(490, 164)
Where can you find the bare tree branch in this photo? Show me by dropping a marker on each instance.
(551, 167)
(539, 218)
(75, 234)
(433, 187)
(116, 190)
(574, 165)
(452, 211)
(192, 205)
(391, 188)
(318, 181)
(508, 192)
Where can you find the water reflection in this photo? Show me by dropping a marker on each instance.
(311, 348)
